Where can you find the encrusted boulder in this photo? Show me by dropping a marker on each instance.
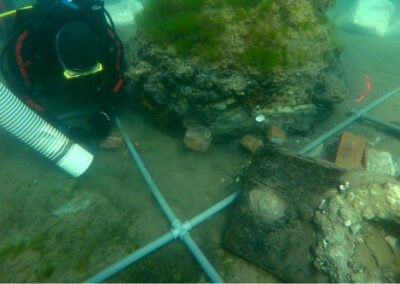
(271, 225)
(305, 220)
(236, 67)
(358, 231)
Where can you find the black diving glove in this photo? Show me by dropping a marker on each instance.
(99, 127)
(100, 124)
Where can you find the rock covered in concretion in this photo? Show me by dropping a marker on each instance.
(300, 81)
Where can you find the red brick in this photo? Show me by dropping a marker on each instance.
(111, 143)
(251, 143)
(350, 150)
(276, 135)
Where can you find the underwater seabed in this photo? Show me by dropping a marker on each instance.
(42, 241)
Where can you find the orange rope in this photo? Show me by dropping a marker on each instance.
(366, 92)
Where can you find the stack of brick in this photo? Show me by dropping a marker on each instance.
(274, 135)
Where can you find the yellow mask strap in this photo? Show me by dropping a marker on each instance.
(70, 74)
(12, 12)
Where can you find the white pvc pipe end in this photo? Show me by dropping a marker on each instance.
(76, 160)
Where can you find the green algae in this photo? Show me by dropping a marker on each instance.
(181, 25)
(244, 3)
(266, 59)
(37, 243)
(13, 247)
(45, 271)
(196, 28)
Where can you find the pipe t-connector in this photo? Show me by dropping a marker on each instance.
(180, 229)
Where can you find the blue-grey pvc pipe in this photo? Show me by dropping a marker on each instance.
(328, 134)
(380, 100)
(175, 222)
(214, 209)
(147, 177)
(347, 122)
(194, 249)
(149, 248)
(386, 124)
(130, 259)
(201, 259)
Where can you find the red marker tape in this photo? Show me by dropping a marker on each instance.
(366, 92)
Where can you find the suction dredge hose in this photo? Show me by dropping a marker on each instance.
(30, 128)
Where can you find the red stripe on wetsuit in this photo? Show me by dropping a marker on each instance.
(33, 104)
(117, 62)
(21, 64)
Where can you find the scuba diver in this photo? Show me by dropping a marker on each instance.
(68, 47)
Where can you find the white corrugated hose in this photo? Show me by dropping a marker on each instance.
(31, 129)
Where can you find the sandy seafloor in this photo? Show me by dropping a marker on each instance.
(122, 216)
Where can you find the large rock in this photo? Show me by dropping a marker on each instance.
(358, 236)
(271, 225)
(310, 221)
(224, 65)
(374, 17)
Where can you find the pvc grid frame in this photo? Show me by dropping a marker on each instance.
(182, 230)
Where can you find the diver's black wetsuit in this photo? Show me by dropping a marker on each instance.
(5, 23)
(30, 64)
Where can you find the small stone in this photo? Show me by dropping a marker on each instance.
(350, 197)
(355, 228)
(111, 143)
(75, 205)
(347, 223)
(219, 106)
(276, 135)
(323, 204)
(368, 213)
(197, 138)
(360, 239)
(345, 186)
(260, 118)
(379, 161)
(251, 143)
(393, 199)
